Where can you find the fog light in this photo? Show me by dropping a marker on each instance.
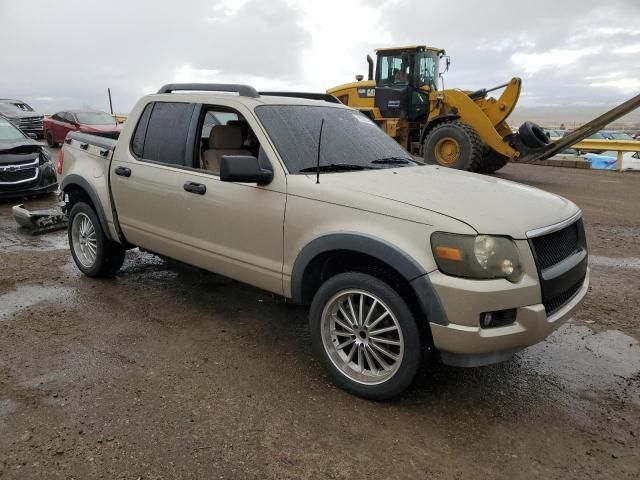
(499, 318)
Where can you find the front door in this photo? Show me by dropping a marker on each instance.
(168, 203)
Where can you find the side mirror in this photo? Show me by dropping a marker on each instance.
(32, 135)
(243, 169)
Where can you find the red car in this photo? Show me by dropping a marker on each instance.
(58, 125)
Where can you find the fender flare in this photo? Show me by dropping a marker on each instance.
(404, 264)
(434, 121)
(76, 180)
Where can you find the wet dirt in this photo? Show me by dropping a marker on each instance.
(167, 372)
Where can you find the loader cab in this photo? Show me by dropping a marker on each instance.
(404, 77)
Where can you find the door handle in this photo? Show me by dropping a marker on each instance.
(198, 188)
(123, 171)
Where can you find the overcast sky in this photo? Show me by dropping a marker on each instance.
(59, 54)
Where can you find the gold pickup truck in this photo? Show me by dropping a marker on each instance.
(307, 198)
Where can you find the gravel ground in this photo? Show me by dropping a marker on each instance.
(166, 372)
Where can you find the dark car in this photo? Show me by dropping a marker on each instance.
(25, 166)
(58, 125)
(22, 116)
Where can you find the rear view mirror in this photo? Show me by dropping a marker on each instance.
(243, 169)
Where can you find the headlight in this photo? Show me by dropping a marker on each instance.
(476, 256)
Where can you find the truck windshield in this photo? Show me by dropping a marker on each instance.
(95, 118)
(350, 141)
(427, 69)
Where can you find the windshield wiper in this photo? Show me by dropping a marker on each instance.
(393, 161)
(335, 167)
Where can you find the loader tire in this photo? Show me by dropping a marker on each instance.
(533, 136)
(493, 161)
(454, 145)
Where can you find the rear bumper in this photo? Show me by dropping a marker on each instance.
(466, 344)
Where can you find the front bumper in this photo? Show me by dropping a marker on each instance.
(462, 342)
(45, 182)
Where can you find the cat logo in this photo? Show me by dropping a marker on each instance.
(366, 92)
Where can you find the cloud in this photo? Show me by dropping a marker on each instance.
(70, 52)
(555, 58)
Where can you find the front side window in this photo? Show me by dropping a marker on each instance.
(427, 70)
(350, 140)
(223, 132)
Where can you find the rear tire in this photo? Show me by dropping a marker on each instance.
(93, 253)
(365, 336)
(454, 145)
(50, 141)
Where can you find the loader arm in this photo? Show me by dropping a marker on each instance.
(473, 115)
(581, 133)
(498, 110)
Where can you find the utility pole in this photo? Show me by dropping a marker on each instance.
(110, 103)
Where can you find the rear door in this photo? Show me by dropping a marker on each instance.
(231, 229)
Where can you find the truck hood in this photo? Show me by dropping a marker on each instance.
(18, 150)
(17, 113)
(487, 204)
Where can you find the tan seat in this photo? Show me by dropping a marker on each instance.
(223, 140)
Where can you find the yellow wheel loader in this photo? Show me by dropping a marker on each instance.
(454, 128)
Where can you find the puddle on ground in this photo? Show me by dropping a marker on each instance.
(580, 360)
(20, 240)
(26, 296)
(575, 370)
(628, 262)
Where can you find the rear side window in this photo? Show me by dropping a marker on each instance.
(162, 132)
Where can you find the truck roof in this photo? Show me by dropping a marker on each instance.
(202, 93)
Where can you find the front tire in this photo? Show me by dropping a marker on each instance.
(92, 252)
(454, 145)
(365, 336)
(493, 161)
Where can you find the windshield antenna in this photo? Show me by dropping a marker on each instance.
(318, 162)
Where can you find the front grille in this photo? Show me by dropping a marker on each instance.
(551, 249)
(553, 304)
(18, 176)
(20, 172)
(560, 282)
(28, 124)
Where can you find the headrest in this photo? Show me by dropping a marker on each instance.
(225, 136)
(244, 126)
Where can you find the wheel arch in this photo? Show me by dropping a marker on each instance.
(80, 189)
(336, 253)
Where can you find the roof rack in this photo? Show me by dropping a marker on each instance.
(308, 95)
(242, 90)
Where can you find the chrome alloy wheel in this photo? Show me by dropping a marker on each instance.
(83, 236)
(362, 337)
